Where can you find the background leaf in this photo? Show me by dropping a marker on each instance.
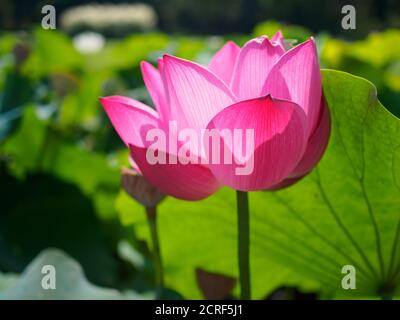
(52, 52)
(70, 282)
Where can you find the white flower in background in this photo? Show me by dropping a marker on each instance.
(102, 16)
(88, 42)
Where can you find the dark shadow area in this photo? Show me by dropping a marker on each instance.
(234, 16)
(42, 212)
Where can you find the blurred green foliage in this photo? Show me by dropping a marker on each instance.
(60, 158)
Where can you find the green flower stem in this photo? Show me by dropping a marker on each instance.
(152, 219)
(244, 244)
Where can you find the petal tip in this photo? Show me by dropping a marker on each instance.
(168, 60)
(310, 41)
(231, 43)
(105, 100)
(144, 64)
(168, 57)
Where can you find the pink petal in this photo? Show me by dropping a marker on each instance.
(317, 143)
(316, 147)
(160, 65)
(130, 118)
(279, 142)
(134, 165)
(278, 38)
(224, 60)
(187, 182)
(296, 77)
(155, 87)
(195, 94)
(255, 61)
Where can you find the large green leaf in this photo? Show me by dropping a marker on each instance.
(347, 211)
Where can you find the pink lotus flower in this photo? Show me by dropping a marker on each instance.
(261, 86)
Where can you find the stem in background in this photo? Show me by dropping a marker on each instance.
(244, 244)
(152, 219)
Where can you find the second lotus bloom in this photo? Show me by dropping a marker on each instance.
(275, 93)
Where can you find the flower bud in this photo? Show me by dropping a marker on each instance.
(140, 189)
